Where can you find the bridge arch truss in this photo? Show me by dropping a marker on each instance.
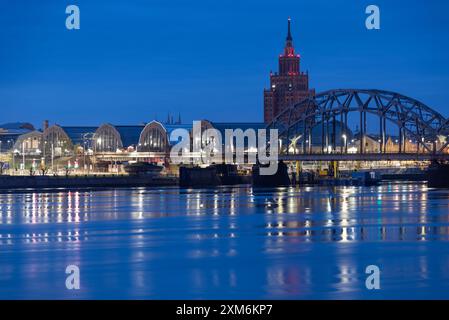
(412, 120)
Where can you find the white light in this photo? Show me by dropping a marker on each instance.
(352, 150)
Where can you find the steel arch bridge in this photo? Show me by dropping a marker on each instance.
(310, 127)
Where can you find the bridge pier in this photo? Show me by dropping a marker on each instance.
(298, 172)
(334, 168)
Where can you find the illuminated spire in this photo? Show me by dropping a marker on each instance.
(289, 61)
(289, 49)
(289, 35)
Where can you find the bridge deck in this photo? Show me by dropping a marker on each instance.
(365, 157)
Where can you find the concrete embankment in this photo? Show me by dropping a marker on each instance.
(25, 182)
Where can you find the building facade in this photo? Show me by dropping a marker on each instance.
(10, 132)
(289, 86)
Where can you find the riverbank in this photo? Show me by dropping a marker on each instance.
(21, 182)
(122, 181)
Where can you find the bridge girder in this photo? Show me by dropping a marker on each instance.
(413, 118)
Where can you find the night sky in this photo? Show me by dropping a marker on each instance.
(135, 60)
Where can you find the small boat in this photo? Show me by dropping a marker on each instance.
(229, 175)
(438, 175)
(279, 179)
(143, 168)
(214, 175)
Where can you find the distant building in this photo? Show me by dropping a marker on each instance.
(287, 87)
(111, 145)
(29, 143)
(10, 132)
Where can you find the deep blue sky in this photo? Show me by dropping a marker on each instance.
(133, 60)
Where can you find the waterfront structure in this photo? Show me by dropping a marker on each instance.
(153, 138)
(29, 143)
(110, 138)
(56, 142)
(107, 144)
(289, 86)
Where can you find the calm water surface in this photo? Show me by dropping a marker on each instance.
(228, 243)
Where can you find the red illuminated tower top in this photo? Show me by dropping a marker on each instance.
(289, 86)
(289, 62)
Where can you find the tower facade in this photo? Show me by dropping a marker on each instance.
(289, 86)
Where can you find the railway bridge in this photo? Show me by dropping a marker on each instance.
(361, 125)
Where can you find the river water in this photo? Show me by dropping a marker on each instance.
(226, 243)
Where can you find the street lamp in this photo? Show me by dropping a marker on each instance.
(84, 153)
(23, 155)
(52, 158)
(44, 146)
(344, 147)
(86, 136)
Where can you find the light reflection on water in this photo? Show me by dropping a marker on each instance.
(306, 242)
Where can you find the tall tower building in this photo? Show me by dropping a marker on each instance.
(289, 86)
